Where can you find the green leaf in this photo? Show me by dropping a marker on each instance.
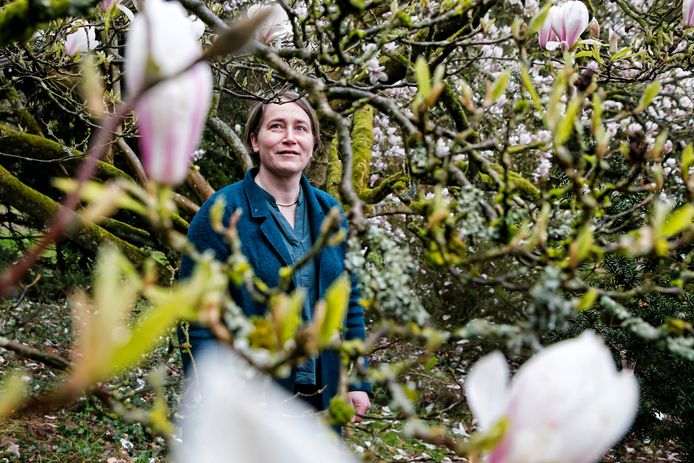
(340, 412)
(539, 19)
(13, 391)
(95, 192)
(499, 86)
(337, 300)
(423, 76)
(530, 87)
(216, 214)
(566, 125)
(358, 4)
(204, 290)
(554, 106)
(587, 300)
(621, 54)
(679, 221)
(648, 95)
(286, 314)
(580, 249)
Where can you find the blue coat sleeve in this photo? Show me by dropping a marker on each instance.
(196, 337)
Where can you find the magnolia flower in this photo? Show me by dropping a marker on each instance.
(546, 33)
(567, 403)
(242, 417)
(567, 23)
(688, 13)
(571, 23)
(81, 41)
(275, 27)
(375, 71)
(161, 43)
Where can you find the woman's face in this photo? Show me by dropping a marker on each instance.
(284, 141)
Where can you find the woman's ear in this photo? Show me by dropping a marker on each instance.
(254, 143)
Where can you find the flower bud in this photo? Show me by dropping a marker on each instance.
(162, 41)
(275, 27)
(570, 23)
(594, 28)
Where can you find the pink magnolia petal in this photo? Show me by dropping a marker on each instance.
(172, 114)
(576, 20)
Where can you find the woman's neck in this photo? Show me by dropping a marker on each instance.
(284, 190)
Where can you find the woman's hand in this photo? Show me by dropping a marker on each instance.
(360, 402)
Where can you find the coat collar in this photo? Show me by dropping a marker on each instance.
(258, 209)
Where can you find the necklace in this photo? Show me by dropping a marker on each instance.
(288, 205)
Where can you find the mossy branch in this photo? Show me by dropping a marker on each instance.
(362, 147)
(38, 207)
(333, 176)
(30, 147)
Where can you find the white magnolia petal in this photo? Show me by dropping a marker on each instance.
(604, 420)
(558, 22)
(161, 42)
(251, 420)
(81, 41)
(127, 12)
(552, 45)
(197, 25)
(486, 389)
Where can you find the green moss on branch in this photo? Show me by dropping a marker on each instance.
(39, 207)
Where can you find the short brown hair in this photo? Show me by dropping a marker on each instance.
(255, 119)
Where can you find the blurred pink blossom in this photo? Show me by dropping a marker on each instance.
(567, 403)
(571, 23)
(162, 41)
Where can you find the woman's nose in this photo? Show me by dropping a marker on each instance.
(289, 136)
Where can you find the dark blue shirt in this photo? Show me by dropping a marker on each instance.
(298, 242)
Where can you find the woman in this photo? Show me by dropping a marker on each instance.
(281, 215)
